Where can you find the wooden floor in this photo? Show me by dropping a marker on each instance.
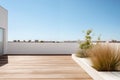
(42, 67)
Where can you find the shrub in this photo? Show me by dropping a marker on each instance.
(113, 41)
(84, 46)
(36, 40)
(105, 57)
(29, 40)
(41, 41)
(87, 43)
(14, 41)
(82, 53)
(18, 40)
(24, 41)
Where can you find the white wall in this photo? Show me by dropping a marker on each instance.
(4, 25)
(45, 48)
(42, 48)
(3, 18)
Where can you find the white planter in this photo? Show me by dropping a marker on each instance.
(96, 75)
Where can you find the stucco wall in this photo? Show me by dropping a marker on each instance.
(3, 18)
(45, 48)
(4, 25)
(42, 48)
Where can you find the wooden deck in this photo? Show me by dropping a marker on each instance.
(42, 67)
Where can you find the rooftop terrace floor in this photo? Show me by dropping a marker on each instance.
(42, 67)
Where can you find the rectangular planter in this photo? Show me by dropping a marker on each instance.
(96, 75)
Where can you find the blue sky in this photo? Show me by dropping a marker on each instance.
(62, 19)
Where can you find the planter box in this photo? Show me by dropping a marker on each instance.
(96, 75)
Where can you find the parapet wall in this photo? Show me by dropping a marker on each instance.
(42, 48)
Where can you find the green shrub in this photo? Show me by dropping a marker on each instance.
(87, 43)
(81, 53)
(41, 41)
(105, 57)
(84, 46)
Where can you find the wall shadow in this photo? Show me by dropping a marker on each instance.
(3, 60)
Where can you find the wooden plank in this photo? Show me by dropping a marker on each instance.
(36, 67)
(52, 75)
(39, 79)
